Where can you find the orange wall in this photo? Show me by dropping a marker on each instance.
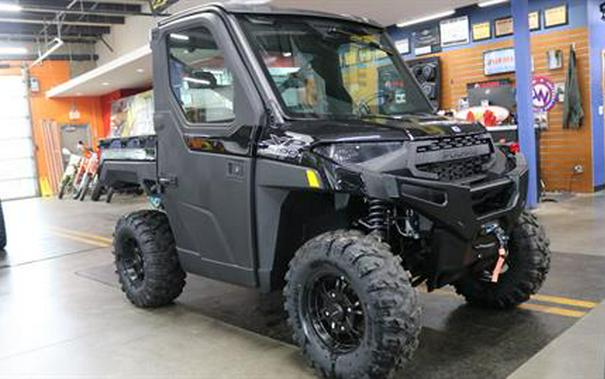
(49, 75)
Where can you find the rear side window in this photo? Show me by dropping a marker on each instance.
(199, 78)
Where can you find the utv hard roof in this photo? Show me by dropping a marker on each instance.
(263, 9)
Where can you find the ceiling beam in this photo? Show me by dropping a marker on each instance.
(51, 30)
(42, 17)
(95, 6)
(37, 38)
(52, 57)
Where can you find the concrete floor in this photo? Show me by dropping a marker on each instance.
(62, 315)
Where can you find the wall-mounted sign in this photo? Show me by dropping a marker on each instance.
(427, 41)
(454, 31)
(403, 46)
(544, 94)
(482, 31)
(503, 27)
(534, 21)
(501, 61)
(556, 16)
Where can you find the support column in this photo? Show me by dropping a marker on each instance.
(523, 74)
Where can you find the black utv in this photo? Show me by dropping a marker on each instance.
(294, 150)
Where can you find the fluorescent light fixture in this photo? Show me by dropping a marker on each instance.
(105, 84)
(140, 70)
(7, 7)
(489, 3)
(55, 44)
(11, 50)
(420, 20)
(180, 37)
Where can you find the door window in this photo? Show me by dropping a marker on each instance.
(199, 77)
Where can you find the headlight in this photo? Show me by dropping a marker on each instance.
(352, 153)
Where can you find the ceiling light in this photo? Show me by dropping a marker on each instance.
(180, 37)
(105, 84)
(8, 50)
(140, 70)
(489, 3)
(435, 16)
(5, 7)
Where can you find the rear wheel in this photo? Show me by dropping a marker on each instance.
(2, 229)
(146, 259)
(62, 189)
(526, 266)
(84, 187)
(97, 189)
(110, 193)
(351, 306)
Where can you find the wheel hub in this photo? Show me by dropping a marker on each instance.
(335, 313)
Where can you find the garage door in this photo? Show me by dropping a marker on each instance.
(17, 165)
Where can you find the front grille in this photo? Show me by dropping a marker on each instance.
(447, 143)
(454, 158)
(457, 169)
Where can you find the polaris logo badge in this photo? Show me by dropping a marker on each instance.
(456, 129)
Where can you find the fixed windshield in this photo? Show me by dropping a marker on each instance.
(325, 68)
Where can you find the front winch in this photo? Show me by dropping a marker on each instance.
(502, 238)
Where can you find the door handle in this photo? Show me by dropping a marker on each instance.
(168, 180)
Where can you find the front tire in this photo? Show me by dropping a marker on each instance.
(528, 263)
(146, 259)
(351, 306)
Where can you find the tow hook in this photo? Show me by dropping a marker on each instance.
(502, 238)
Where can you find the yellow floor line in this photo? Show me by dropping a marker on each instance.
(552, 310)
(81, 239)
(82, 234)
(564, 301)
(546, 308)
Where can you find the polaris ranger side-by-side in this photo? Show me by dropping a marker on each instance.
(294, 150)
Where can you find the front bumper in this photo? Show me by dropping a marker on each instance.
(459, 213)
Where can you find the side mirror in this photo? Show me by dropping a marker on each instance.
(200, 79)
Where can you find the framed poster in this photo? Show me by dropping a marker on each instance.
(501, 61)
(503, 26)
(482, 31)
(534, 21)
(556, 16)
(403, 46)
(454, 31)
(427, 41)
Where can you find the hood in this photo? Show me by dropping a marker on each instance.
(408, 127)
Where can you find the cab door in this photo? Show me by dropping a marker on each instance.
(206, 112)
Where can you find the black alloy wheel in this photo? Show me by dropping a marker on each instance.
(334, 312)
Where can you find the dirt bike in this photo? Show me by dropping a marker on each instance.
(90, 174)
(69, 174)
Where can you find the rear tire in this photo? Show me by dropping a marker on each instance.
(84, 187)
(528, 263)
(2, 229)
(97, 189)
(62, 189)
(334, 280)
(110, 193)
(146, 259)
